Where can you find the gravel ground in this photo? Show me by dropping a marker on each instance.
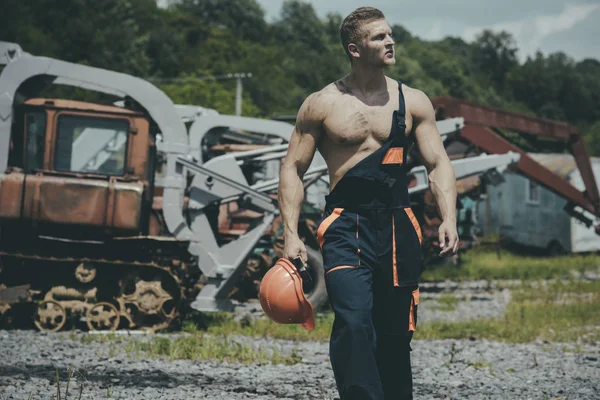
(448, 369)
(443, 369)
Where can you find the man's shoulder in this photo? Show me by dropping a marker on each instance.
(412, 91)
(318, 104)
(325, 95)
(416, 99)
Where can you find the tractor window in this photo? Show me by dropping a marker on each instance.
(91, 145)
(36, 138)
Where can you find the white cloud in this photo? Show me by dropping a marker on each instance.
(530, 32)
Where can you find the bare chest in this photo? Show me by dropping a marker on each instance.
(351, 124)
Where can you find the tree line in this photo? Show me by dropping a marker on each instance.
(180, 47)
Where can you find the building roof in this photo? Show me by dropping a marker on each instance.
(561, 164)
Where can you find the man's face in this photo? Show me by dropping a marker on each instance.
(377, 46)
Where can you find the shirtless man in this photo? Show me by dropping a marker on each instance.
(369, 237)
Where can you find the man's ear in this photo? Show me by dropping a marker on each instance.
(354, 51)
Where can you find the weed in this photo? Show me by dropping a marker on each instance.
(70, 372)
(453, 352)
(479, 364)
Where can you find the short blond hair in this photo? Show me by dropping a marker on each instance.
(351, 28)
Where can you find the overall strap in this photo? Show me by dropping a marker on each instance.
(402, 105)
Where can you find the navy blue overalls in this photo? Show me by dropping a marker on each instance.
(371, 246)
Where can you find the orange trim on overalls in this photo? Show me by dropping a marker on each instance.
(394, 265)
(326, 224)
(415, 223)
(357, 241)
(414, 301)
(341, 267)
(394, 155)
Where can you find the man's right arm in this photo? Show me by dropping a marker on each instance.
(303, 144)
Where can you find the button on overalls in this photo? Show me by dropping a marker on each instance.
(371, 246)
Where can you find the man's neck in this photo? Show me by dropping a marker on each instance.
(366, 80)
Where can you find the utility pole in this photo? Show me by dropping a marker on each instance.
(238, 90)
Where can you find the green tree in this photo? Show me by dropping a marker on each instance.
(494, 55)
(244, 18)
(299, 24)
(211, 94)
(592, 139)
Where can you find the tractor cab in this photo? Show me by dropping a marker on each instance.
(78, 170)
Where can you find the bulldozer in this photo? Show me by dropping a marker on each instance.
(132, 213)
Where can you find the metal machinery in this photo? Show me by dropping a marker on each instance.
(494, 131)
(126, 214)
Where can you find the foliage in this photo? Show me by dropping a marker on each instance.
(179, 46)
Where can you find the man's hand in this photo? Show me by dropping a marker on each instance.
(448, 231)
(293, 247)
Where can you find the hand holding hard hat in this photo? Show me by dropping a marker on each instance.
(282, 297)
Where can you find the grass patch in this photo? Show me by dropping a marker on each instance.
(200, 347)
(196, 346)
(481, 263)
(534, 313)
(98, 338)
(446, 302)
(223, 324)
(557, 312)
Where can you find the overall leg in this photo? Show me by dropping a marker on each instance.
(392, 320)
(395, 301)
(352, 344)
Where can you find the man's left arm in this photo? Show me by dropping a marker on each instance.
(442, 180)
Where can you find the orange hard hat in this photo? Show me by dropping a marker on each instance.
(282, 297)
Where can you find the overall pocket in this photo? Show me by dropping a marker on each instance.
(338, 238)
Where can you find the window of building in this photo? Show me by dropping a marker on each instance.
(533, 192)
(35, 124)
(91, 145)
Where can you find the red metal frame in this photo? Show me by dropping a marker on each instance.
(478, 118)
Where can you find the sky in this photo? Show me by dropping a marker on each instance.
(572, 27)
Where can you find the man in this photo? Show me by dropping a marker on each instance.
(370, 239)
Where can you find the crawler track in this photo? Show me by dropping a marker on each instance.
(143, 289)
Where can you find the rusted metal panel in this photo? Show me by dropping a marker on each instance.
(492, 143)
(127, 206)
(137, 160)
(79, 105)
(11, 195)
(77, 201)
(479, 114)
